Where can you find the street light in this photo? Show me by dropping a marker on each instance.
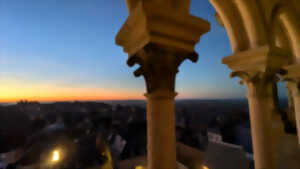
(55, 156)
(205, 167)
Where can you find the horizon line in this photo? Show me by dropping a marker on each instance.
(115, 100)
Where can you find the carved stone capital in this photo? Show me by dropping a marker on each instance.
(165, 23)
(293, 72)
(292, 77)
(157, 95)
(259, 84)
(294, 86)
(159, 36)
(257, 68)
(159, 66)
(262, 59)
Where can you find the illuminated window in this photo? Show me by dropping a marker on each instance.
(205, 167)
(55, 156)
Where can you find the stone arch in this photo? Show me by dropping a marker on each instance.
(258, 63)
(231, 19)
(279, 39)
(278, 36)
(253, 21)
(252, 24)
(290, 23)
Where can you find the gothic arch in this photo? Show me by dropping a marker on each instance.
(291, 26)
(278, 36)
(254, 24)
(244, 23)
(253, 21)
(232, 21)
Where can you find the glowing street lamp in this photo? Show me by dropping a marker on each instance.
(139, 167)
(205, 167)
(55, 156)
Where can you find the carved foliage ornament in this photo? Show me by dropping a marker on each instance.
(159, 65)
(258, 84)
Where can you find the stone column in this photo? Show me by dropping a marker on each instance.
(293, 83)
(277, 125)
(276, 108)
(291, 106)
(297, 113)
(161, 130)
(257, 67)
(159, 35)
(260, 100)
(159, 68)
(294, 86)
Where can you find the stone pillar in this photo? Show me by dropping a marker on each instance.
(159, 66)
(276, 107)
(161, 130)
(293, 83)
(291, 106)
(294, 86)
(260, 100)
(257, 67)
(277, 125)
(159, 35)
(297, 114)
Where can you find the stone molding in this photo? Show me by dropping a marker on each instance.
(161, 95)
(293, 71)
(257, 68)
(294, 86)
(160, 39)
(259, 84)
(292, 77)
(150, 23)
(159, 66)
(262, 59)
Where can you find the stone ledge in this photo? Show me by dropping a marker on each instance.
(261, 59)
(293, 71)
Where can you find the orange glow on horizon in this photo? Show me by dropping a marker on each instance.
(49, 93)
(53, 94)
(13, 90)
(67, 98)
(60, 99)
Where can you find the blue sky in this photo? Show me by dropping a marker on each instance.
(66, 48)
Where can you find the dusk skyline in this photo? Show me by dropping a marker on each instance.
(65, 50)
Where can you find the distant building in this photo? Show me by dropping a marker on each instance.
(214, 135)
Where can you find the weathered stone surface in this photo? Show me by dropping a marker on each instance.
(159, 66)
(151, 23)
(159, 35)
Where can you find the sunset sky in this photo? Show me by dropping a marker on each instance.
(64, 50)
